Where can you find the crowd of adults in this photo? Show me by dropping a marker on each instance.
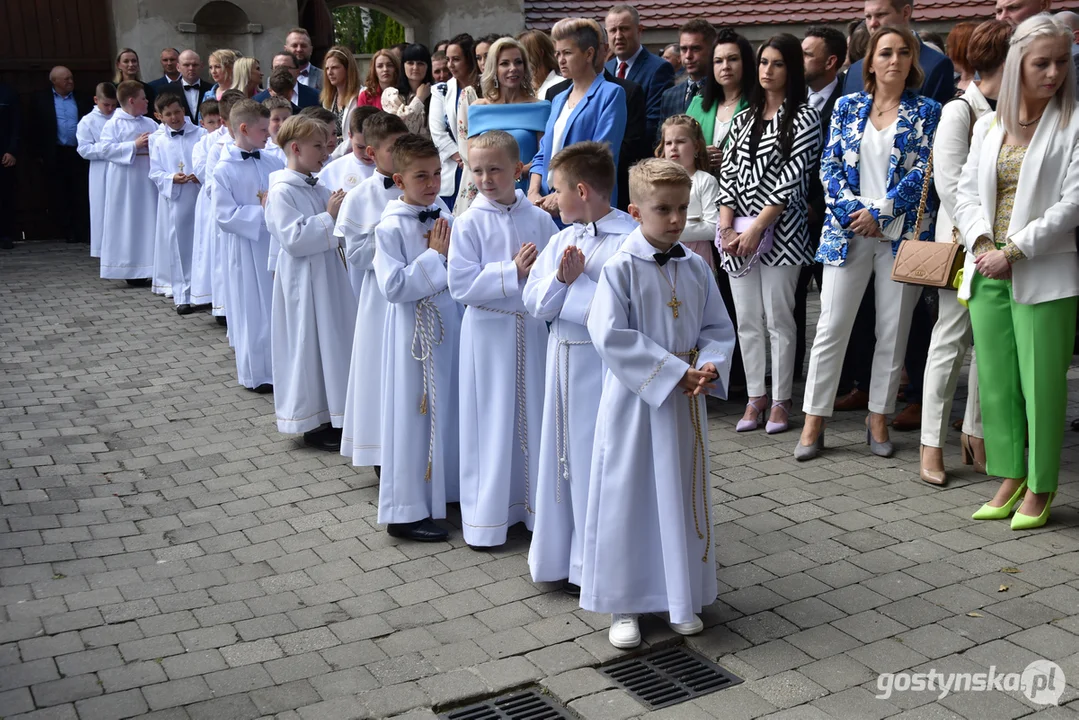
(814, 164)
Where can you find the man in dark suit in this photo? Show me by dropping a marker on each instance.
(635, 145)
(824, 50)
(695, 41)
(633, 62)
(170, 58)
(55, 119)
(190, 86)
(9, 149)
(301, 95)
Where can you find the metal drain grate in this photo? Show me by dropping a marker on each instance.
(669, 677)
(530, 705)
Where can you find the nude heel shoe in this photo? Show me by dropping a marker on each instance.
(973, 452)
(933, 477)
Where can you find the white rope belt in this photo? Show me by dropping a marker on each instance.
(562, 380)
(522, 395)
(428, 333)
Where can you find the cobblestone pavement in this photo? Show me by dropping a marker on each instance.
(165, 553)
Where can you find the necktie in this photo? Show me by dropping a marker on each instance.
(312, 181)
(675, 252)
(387, 183)
(691, 91)
(582, 230)
(622, 67)
(244, 155)
(426, 215)
(177, 132)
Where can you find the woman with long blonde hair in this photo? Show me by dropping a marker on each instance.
(221, 64)
(1017, 207)
(127, 68)
(384, 73)
(340, 84)
(247, 76)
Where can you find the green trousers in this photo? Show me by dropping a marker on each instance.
(1024, 352)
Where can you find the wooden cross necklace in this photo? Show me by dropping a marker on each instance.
(674, 304)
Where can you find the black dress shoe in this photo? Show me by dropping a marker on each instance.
(139, 282)
(325, 438)
(185, 309)
(421, 531)
(571, 589)
(222, 321)
(263, 389)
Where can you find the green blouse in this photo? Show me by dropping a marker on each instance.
(708, 119)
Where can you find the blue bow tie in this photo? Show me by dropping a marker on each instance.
(312, 181)
(426, 215)
(177, 132)
(244, 155)
(387, 183)
(664, 257)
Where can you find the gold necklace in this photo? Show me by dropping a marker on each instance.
(674, 304)
(882, 111)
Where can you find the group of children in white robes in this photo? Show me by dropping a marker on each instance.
(534, 375)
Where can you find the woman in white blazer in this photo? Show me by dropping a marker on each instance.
(986, 50)
(442, 113)
(1017, 210)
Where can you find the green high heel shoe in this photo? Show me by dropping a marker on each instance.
(1028, 522)
(988, 512)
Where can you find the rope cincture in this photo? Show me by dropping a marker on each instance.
(698, 455)
(521, 392)
(424, 341)
(562, 380)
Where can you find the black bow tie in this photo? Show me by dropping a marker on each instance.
(190, 87)
(312, 181)
(387, 183)
(306, 72)
(426, 215)
(177, 132)
(675, 252)
(253, 154)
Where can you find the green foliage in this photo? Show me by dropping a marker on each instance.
(365, 31)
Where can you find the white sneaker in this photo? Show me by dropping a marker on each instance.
(695, 627)
(625, 633)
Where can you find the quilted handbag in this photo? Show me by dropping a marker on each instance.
(931, 264)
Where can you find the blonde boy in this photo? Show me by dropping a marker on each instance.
(280, 111)
(494, 246)
(88, 134)
(658, 323)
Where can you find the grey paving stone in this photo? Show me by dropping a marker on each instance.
(66, 690)
(608, 705)
(113, 706)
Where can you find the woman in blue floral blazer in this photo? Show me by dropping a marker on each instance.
(873, 169)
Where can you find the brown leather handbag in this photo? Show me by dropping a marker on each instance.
(927, 263)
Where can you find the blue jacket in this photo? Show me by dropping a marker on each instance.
(306, 97)
(939, 83)
(839, 171)
(599, 116)
(654, 75)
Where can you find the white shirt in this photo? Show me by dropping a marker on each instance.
(874, 159)
(629, 61)
(193, 95)
(560, 131)
(818, 99)
(305, 79)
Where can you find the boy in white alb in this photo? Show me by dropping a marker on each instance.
(360, 214)
(88, 134)
(201, 264)
(419, 349)
(313, 311)
(280, 111)
(127, 248)
(348, 171)
(172, 170)
(241, 180)
(559, 291)
(659, 325)
(503, 349)
(161, 279)
(219, 279)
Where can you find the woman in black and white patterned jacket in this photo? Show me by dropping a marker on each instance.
(763, 188)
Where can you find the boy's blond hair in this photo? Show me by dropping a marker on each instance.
(496, 140)
(247, 111)
(278, 103)
(299, 128)
(649, 174)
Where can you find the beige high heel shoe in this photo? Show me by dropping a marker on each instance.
(973, 452)
(933, 477)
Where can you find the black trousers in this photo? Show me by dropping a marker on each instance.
(69, 201)
(9, 204)
(801, 297)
